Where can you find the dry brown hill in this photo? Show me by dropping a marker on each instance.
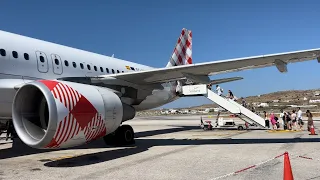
(279, 99)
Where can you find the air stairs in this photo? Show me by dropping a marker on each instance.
(228, 104)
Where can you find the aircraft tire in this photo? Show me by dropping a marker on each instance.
(124, 135)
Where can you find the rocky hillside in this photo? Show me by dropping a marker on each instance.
(291, 97)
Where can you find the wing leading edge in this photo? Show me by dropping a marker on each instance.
(203, 70)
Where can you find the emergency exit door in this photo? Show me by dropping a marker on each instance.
(42, 62)
(56, 64)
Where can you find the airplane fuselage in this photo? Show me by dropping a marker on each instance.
(23, 59)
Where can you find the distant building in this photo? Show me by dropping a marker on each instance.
(193, 111)
(314, 101)
(263, 105)
(185, 111)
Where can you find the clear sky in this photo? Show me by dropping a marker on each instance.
(146, 32)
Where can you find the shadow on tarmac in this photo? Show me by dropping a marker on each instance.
(20, 149)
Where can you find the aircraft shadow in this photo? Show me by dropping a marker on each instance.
(94, 158)
(20, 149)
(145, 144)
(18, 145)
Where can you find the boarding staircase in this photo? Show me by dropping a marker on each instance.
(228, 104)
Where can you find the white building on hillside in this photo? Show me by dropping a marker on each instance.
(314, 101)
(263, 105)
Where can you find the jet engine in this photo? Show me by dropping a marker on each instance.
(51, 114)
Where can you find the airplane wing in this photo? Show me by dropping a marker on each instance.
(200, 72)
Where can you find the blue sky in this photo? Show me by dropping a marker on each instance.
(146, 32)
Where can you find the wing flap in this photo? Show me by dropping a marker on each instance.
(224, 80)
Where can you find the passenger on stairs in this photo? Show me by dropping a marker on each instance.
(253, 109)
(243, 102)
(219, 90)
(230, 95)
(178, 88)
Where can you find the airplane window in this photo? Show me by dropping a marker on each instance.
(118, 71)
(81, 65)
(95, 68)
(42, 59)
(107, 70)
(122, 71)
(3, 52)
(26, 56)
(74, 64)
(112, 71)
(56, 61)
(15, 54)
(101, 69)
(66, 63)
(88, 66)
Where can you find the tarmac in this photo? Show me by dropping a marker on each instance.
(171, 147)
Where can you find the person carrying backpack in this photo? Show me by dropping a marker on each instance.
(288, 120)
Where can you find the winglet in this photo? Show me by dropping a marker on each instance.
(182, 53)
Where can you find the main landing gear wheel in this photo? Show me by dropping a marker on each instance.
(124, 135)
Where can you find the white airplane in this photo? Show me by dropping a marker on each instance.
(60, 97)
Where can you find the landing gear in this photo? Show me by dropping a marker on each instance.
(124, 135)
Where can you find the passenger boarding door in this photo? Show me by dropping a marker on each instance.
(42, 62)
(56, 64)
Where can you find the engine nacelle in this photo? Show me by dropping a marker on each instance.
(58, 114)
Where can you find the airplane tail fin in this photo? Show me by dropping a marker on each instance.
(182, 53)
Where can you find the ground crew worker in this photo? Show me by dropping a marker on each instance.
(10, 129)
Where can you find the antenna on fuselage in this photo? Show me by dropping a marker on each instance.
(112, 55)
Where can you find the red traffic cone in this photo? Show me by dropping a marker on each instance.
(312, 130)
(287, 171)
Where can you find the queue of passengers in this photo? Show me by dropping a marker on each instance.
(288, 120)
